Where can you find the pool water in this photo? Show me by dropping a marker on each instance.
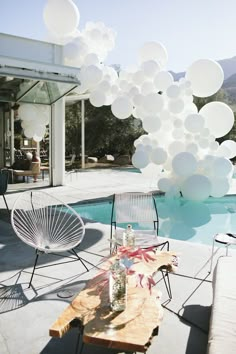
(178, 218)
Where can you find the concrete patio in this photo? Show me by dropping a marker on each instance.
(27, 314)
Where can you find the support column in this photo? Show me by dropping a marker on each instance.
(57, 146)
(12, 138)
(82, 134)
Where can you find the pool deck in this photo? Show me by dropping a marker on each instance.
(26, 314)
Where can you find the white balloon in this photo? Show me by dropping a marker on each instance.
(178, 123)
(205, 132)
(139, 77)
(97, 98)
(221, 167)
(122, 107)
(150, 68)
(91, 75)
(104, 86)
(231, 145)
(190, 108)
(203, 143)
(151, 123)
(176, 106)
(147, 87)
(114, 89)
(140, 159)
(164, 184)
(196, 187)
(178, 134)
(184, 164)
(91, 59)
(176, 147)
(27, 112)
(29, 132)
(133, 91)
(138, 99)
(61, 17)
(153, 102)
(206, 77)
(158, 156)
(219, 187)
(37, 138)
(192, 148)
(75, 51)
(214, 145)
(163, 80)
(165, 115)
(173, 91)
(194, 123)
(153, 51)
(219, 118)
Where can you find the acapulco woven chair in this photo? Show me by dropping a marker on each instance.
(137, 208)
(48, 225)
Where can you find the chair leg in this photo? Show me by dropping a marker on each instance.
(167, 283)
(35, 263)
(6, 204)
(82, 260)
(79, 347)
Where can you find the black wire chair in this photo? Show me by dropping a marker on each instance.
(4, 185)
(137, 208)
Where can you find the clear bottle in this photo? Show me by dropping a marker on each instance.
(129, 237)
(117, 286)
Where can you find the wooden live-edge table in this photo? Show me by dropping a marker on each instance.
(129, 330)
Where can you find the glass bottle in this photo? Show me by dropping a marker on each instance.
(129, 237)
(117, 286)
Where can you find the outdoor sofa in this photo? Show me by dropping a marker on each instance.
(222, 331)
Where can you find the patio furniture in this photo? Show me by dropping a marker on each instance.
(4, 185)
(48, 225)
(222, 333)
(130, 330)
(139, 210)
(69, 165)
(227, 239)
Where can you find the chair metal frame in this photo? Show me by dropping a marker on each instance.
(49, 226)
(4, 185)
(145, 216)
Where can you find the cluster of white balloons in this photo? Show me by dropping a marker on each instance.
(34, 119)
(180, 146)
(86, 49)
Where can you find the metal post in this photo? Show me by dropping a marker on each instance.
(82, 134)
(12, 138)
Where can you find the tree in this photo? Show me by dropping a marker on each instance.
(104, 133)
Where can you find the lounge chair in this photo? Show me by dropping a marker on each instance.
(48, 225)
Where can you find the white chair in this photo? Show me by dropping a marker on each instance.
(138, 209)
(48, 225)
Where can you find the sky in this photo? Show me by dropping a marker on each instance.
(189, 29)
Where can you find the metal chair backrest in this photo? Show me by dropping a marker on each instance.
(46, 223)
(134, 207)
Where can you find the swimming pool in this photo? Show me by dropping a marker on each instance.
(178, 218)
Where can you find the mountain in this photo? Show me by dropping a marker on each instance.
(228, 66)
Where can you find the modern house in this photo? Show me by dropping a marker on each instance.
(32, 72)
